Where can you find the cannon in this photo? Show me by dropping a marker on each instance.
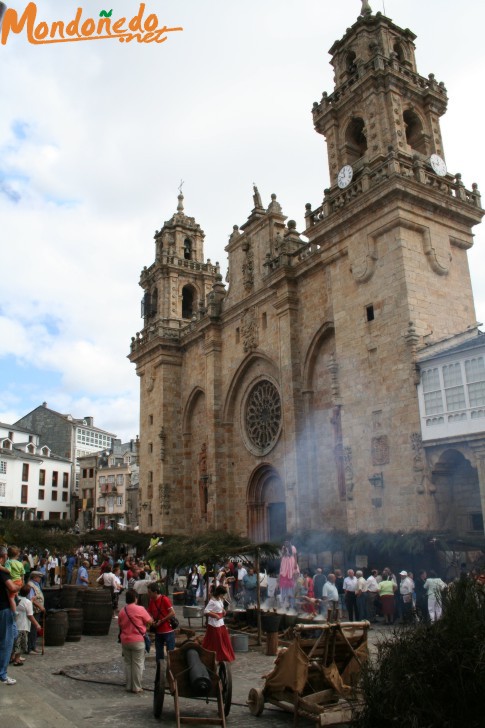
(193, 672)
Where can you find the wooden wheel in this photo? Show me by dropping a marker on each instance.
(256, 701)
(159, 691)
(225, 676)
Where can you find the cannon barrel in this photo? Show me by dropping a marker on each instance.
(199, 678)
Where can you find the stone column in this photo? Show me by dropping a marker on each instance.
(478, 449)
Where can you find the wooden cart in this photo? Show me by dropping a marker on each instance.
(316, 676)
(176, 681)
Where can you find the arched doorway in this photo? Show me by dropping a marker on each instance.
(266, 505)
(457, 493)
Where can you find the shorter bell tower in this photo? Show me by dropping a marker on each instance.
(176, 285)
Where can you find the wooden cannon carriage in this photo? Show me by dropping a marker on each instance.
(177, 679)
(316, 676)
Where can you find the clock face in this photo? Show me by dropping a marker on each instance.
(438, 165)
(344, 177)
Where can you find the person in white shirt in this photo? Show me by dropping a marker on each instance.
(350, 588)
(361, 595)
(434, 586)
(372, 593)
(406, 589)
(330, 597)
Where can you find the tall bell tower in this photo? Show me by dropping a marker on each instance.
(395, 227)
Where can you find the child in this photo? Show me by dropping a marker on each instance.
(16, 567)
(25, 617)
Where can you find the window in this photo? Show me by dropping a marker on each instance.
(41, 494)
(25, 472)
(150, 447)
(3, 490)
(475, 377)
(187, 302)
(150, 476)
(54, 495)
(65, 496)
(415, 136)
(433, 400)
(476, 522)
(3, 466)
(102, 479)
(85, 472)
(355, 140)
(41, 477)
(369, 312)
(40, 515)
(24, 496)
(111, 479)
(55, 476)
(119, 479)
(45, 451)
(456, 388)
(65, 480)
(188, 249)
(91, 472)
(119, 500)
(150, 419)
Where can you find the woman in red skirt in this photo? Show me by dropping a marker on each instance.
(217, 638)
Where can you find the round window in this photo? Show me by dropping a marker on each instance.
(262, 414)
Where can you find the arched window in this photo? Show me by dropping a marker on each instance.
(414, 131)
(355, 139)
(398, 50)
(188, 296)
(188, 249)
(350, 64)
(154, 304)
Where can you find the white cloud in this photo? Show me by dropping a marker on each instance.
(95, 137)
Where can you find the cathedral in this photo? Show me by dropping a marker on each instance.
(336, 379)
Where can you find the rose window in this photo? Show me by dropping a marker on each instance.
(263, 415)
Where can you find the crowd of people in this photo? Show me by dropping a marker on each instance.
(322, 592)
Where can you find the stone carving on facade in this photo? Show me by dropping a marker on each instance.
(165, 496)
(150, 378)
(349, 472)
(420, 471)
(336, 423)
(203, 480)
(248, 267)
(250, 329)
(332, 367)
(380, 450)
(163, 437)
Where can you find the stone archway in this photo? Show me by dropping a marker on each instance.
(457, 493)
(266, 504)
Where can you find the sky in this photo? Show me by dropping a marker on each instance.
(96, 136)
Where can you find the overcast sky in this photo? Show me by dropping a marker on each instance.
(96, 136)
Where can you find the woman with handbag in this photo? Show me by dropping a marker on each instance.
(133, 621)
(164, 620)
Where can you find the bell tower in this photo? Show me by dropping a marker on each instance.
(393, 229)
(379, 101)
(179, 290)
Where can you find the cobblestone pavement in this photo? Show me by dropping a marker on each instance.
(94, 694)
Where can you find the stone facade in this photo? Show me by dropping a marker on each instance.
(288, 401)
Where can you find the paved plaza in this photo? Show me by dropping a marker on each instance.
(81, 684)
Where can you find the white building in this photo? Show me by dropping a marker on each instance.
(34, 481)
(451, 396)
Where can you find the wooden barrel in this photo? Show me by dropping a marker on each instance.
(97, 611)
(71, 596)
(55, 627)
(52, 597)
(75, 624)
